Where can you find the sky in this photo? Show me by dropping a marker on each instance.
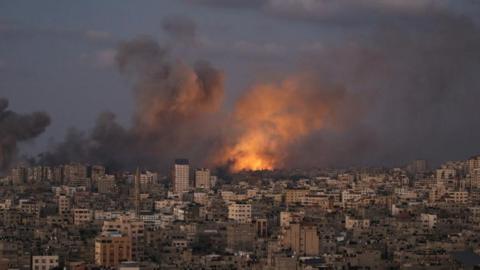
(409, 68)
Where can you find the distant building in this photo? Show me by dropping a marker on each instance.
(44, 262)
(181, 176)
(112, 248)
(202, 178)
(240, 212)
(428, 221)
(106, 184)
(133, 228)
(63, 205)
(82, 216)
(303, 239)
(19, 175)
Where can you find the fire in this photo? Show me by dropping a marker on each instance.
(269, 118)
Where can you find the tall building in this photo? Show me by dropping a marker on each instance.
(202, 178)
(137, 193)
(112, 248)
(19, 175)
(63, 205)
(181, 176)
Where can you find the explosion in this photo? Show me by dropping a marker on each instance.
(269, 118)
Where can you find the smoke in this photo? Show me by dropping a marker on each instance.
(270, 118)
(16, 128)
(389, 92)
(181, 29)
(176, 108)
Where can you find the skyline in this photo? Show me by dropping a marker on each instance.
(370, 83)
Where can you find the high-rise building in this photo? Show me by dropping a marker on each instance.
(19, 175)
(181, 176)
(111, 248)
(202, 178)
(137, 193)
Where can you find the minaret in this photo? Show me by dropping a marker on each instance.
(137, 193)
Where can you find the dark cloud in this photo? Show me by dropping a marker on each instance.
(231, 3)
(16, 128)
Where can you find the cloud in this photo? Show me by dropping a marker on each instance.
(230, 3)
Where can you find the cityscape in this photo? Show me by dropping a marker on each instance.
(239, 134)
(80, 216)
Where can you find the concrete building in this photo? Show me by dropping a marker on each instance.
(64, 205)
(428, 221)
(202, 178)
(302, 239)
(44, 262)
(106, 184)
(112, 248)
(240, 212)
(133, 228)
(181, 176)
(82, 216)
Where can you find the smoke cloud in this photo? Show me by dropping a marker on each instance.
(16, 128)
(181, 29)
(390, 92)
(175, 113)
(270, 118)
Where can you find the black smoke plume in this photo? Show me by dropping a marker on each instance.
(16, 128)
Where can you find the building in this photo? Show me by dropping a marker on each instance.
(19, 175)
(240, 237)
(44, 262)
(295, 195)
(356, 223)
(63, 205)
(106, 184)
(97, 172)
(240, 212)
(82, 216)
(181, 176)
(74, 173)
(302, 239)
(261, 227)
(428, 221)
(133, 228)
(112, 248)
(202, 178)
